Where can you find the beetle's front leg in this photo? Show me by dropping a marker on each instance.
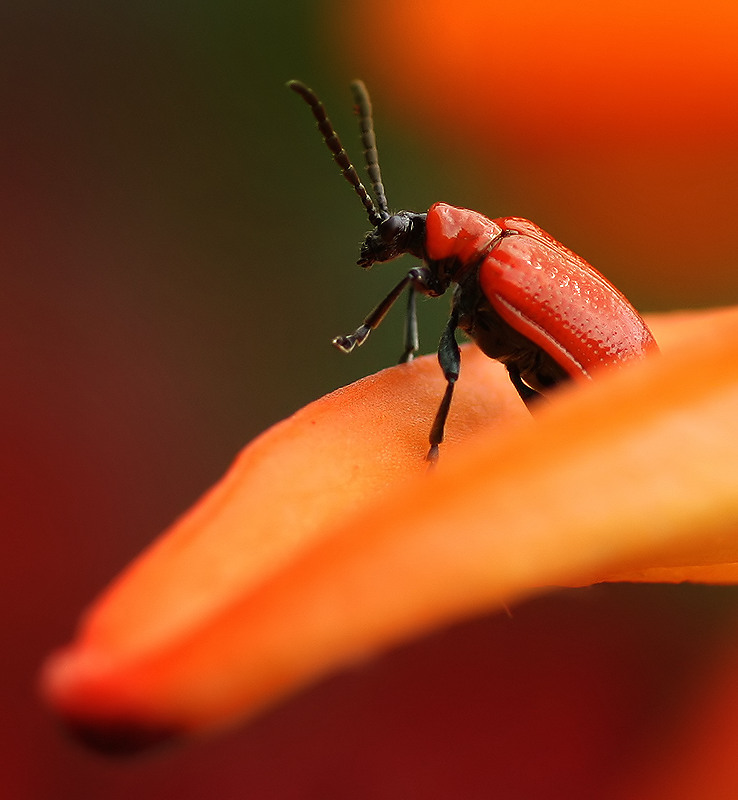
(449, 357)
(420, 280)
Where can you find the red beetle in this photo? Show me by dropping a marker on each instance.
(524, 298)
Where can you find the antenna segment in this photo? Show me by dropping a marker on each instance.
(369, 141)
(330, 137)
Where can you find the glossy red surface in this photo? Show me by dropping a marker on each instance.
(542, 289)
(458, 232)
(560, 302)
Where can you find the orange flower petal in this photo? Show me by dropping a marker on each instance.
(283, 492)
(328, 541)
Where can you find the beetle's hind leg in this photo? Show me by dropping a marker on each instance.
(529, 396)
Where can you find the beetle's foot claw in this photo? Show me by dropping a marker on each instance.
(347, 343)
(344, 343)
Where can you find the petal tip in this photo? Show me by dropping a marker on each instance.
(70, 685)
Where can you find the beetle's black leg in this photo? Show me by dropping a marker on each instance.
(411, 329)
(449, 357)
(347, 343)
(417, 277)
(529, 396)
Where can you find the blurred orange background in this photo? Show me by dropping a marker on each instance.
(178, 252)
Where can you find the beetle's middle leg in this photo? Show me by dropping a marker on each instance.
(449, 357)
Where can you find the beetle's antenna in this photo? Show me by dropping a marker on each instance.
(330, 137)
(369, 140)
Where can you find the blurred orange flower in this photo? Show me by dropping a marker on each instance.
(612, 125)
(561, 74)
(329, 541)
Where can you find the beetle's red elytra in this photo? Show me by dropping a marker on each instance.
(521, 296)
(541, 288)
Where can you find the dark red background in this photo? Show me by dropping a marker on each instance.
(176, 254)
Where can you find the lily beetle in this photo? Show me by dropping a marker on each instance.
(524, 298)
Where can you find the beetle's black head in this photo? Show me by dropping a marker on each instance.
(393, 234)
(400, 233)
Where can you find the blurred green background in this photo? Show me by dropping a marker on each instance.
(178, 251)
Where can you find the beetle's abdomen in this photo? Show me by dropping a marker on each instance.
(560, 302)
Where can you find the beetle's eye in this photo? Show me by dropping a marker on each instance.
(391, 227)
